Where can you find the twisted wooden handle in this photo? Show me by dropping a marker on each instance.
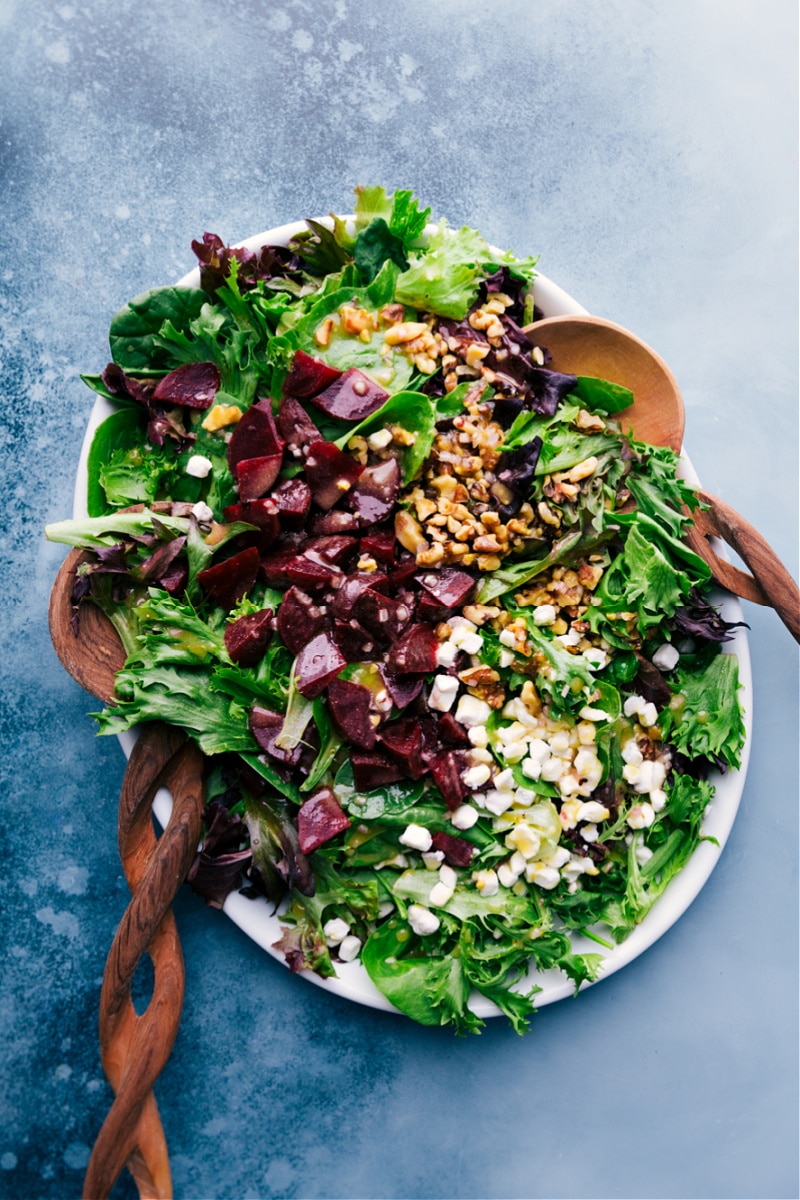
(770, 583)
(135, 1048)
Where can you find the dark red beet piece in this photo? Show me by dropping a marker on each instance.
(334, 548)
(403, 689)
(292, 499)
(261, 513)
(274, 566)
(352, 397)
(379, 545)
(451, 733)
(255, 436)
(403, 572)
(319, 820)
(449, 588)
(382, 615)
(457, 851)
(228, 581)
(338, 520)
(308, 375)
(354, 586)
(255, 476)
(415, 652)
(330, 473)
(317, 664)
(350, 707)
(374, 494)
(295, 426)
(373, 769)
(194, 385)
(311, 570)
(265, 725)
(404, 742)
(355, 643)
(446, 769)
(299, 620)
(247, 638)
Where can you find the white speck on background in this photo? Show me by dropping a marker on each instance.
(279, 21)
(348, 50)
(407, 64)
(57, 52)
(29, 886)
(73, 880)
(8, 1161)
(65, 924)
(76, 1156)
(122, 211)
(63, 1071)
(66, 12)
(302, 40)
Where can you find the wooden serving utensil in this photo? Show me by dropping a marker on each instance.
(134, 1048)
(583, 345)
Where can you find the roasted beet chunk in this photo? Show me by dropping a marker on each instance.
(404, 741)
(352, 588)
(379, 545)
(338, 520)
(265, 725)
(352, 397)
(330, 473)
(319, 820)
(292, 499)
(311, 570)
(382, 615)
(457, 851)
(374, 494)
(308, 375)
(255, 476)
(373, 770)
(449, 588)
(451, 733)
(350, 706)
(317, 664)
(194, 385)
(261, 513)
(228, 581)
(415, 652)
(447, 769)
(247, 638)
(295, 426)
(403, 689)
(274, 566)
(255, 436)
(299, 620)
(354, 641)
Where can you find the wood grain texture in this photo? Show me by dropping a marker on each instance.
(94, 656)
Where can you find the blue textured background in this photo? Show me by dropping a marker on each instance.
(647, 151)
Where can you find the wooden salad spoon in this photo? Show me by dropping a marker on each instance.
(135, 1047)
(584, 345)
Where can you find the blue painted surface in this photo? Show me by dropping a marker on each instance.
(648, 153)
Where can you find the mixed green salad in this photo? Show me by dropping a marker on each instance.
(423, 601)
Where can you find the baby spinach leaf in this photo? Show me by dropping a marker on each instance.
(135, 327)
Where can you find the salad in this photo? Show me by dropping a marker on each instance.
(423, 602)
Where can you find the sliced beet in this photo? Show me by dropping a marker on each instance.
(379, 545)
(451, 733)
(335, 547)
(265, 725)
(371, 769)
(354, 641)
(274, 566)
(330, 473)
(193, 385)
(308, 375)
(247, 638)
(261, 513)
(384, 616)
(320, 818)
(295, 426)
(228, 581)
(447, 769)
(299, 620)
(353, 586)
(317, 664)
(374, 494)
(457, 851)
(404, 741)
(352, 397)
(292, 499)
(338, 520)
(415, 652)
(403, 689)
(350, 706)
(311, 570)
(255, 435)
(255, 476)
(404, 572)
(451, 587)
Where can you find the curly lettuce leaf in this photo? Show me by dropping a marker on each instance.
(708, 724)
